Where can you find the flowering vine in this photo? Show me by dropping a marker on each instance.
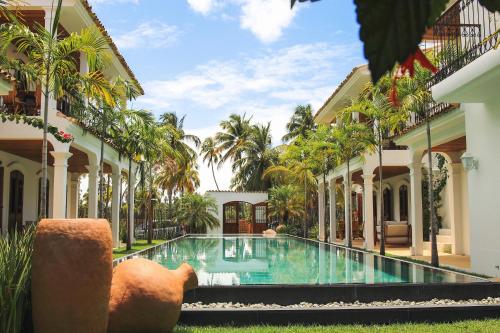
(60, 136)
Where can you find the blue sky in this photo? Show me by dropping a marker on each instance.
(210, 58)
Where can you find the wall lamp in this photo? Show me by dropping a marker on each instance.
(468, 161)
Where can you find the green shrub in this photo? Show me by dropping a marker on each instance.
(15, 281)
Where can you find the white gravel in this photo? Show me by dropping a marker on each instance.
(306, 305)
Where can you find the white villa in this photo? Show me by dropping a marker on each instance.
(465, 129)
(20, 145)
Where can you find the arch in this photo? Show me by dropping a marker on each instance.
(242, 217)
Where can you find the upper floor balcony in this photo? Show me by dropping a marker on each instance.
(464, 32)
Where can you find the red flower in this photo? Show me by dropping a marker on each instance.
(409, 66)
(67, 136)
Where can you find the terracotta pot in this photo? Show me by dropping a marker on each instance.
(71, 277)
(147, 297)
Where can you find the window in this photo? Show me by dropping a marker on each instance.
(403, 203)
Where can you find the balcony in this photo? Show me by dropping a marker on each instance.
(462, 34)
(21, 101)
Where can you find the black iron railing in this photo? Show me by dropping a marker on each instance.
(462, 34)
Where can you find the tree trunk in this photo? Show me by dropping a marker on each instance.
(325, 213)
(130, 204)
(213, 174)
(305, 206)
(380, 194)
(433, 220)
(150, 215)
(101, 170)
(349, 213)
(43, 186)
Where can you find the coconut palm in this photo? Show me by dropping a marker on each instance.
(197, 212)
(301, 123)
(352, 139)
(256, 156)
(211, 155)
(50, 63)
(235, 134)
(285, 203)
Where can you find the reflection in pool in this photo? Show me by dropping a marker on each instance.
(253, 260)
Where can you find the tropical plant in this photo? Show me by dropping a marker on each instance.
(235, 134)
(197, 212)
(15, 280)
(352, 140)
(52, 65)
(255, 157)
(211, 155)
(285, 203)
(300, 124)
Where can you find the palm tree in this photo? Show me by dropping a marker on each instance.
(134, 128)
(352, 140)
(235, 133)
(301, 123)
(285, 203)
(416, 98)
(51, 64)
(197, 212)
(211, 155)
(256, 156)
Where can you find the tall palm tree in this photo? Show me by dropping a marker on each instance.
(416, 98)
(211, 155)
(50, 63)
(135, 126)
(256, 156)
(235, 134)
(301, 123)
(352, 140)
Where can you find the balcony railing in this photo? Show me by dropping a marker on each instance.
(20, 102)
(462, 34)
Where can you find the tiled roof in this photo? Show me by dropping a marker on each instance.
(112, 44)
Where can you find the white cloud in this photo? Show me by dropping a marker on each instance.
(152, 34)
(266, 86)
(266, 19)
(202, 6)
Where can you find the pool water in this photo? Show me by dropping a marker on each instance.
(256, 260)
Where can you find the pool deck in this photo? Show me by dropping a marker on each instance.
(445, 259)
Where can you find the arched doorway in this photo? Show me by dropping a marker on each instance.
(240, 217)
(16, 201)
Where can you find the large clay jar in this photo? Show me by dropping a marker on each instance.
(147, 297)
(71, 277)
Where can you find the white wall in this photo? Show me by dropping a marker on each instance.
(223, 197)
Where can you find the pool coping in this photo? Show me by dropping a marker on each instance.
(336, 316)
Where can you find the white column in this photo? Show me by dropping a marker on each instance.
(73, 197)
(92, 188)
(347, 217)
(368, 210)
(455, 188)
(131, 188)
(333, 211)
(416, 208)
(60, 188)
(321, 211)
(115, 208)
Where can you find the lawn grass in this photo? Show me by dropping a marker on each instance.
(481, 326)
(136, 247)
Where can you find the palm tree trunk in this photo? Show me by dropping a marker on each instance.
(380, 194)
(101, 171)
(325, 213)
(215, 180)
(130, 204)
(43, 187)
(433, 222)
(305, 205)
(349, 213)
(150, 215)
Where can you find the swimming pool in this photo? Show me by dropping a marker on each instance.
(255, 260)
